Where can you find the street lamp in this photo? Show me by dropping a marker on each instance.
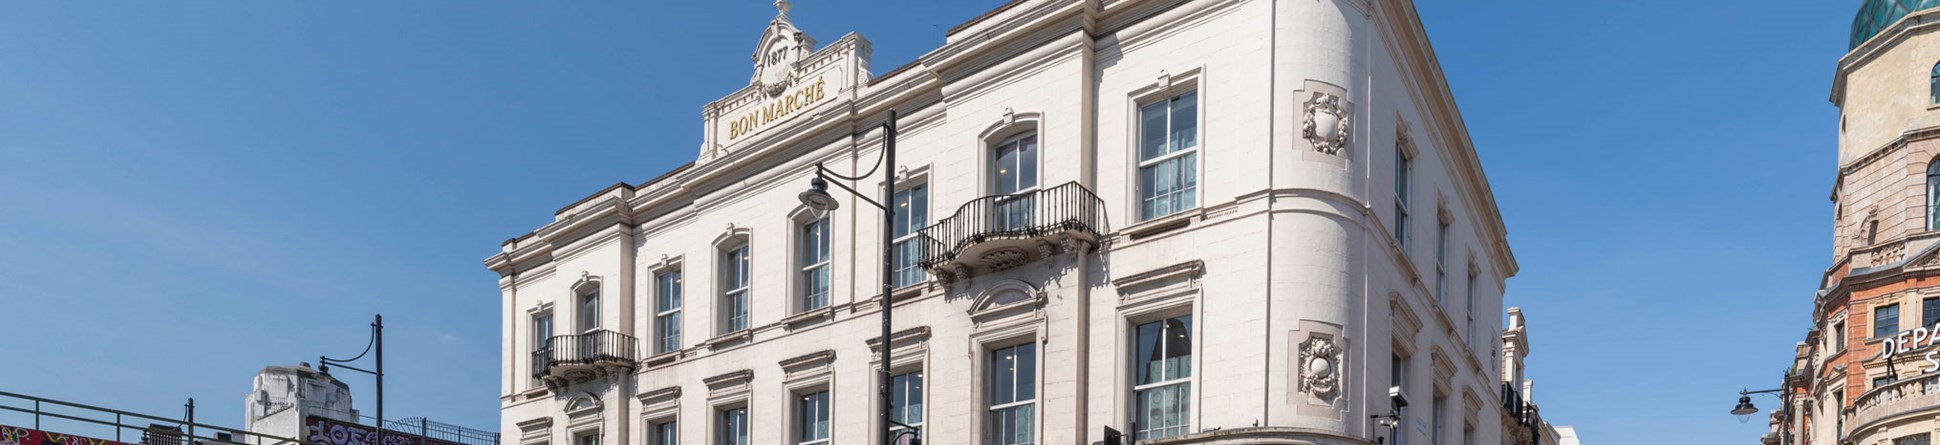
(817, 199)
(1745, 409)
(376, 342)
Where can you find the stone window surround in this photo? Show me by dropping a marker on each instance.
(667, 264)
(1164, 86)
(990, 338)
(797, 218)
(725, 392)
(734, 237)
(1157, 304)
(657, 407)
(909, 352)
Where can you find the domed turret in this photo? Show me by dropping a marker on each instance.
(1876, 15)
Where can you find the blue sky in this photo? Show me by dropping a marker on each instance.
(196, 189)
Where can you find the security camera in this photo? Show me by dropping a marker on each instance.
(1394, 394)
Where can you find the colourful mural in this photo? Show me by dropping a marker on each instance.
(13, 435)
(335, 432)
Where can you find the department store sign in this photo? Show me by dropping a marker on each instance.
(745, 121)
(1911, 342)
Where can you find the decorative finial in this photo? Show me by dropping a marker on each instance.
(782, 5)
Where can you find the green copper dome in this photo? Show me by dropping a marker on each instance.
(1876, 15)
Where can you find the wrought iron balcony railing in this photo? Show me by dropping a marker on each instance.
(999, 232)
(575, 358)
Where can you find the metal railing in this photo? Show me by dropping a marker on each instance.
(1069, 207)
(586, 349)
(422, 427)
(78, 419)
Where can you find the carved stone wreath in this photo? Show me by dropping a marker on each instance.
(1320, 367)
(1326, 123)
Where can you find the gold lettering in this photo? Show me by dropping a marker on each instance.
(778, 109)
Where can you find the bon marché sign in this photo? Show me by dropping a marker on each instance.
(336, 432)
(13, 435)
(779, 108)
(1914, 341)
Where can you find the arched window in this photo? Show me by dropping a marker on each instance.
(1933, 85)
(1933, 194)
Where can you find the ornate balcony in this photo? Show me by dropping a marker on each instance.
(577, 358)
(1905, 397)
(999, 232)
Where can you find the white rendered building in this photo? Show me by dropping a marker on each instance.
(1213, 221)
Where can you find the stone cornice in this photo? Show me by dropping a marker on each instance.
(730, 378)
(671, 392)
(1403, 26)
(1918, 21)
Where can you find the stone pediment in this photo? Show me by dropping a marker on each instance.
(791, 79)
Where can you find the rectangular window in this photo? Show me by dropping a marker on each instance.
(1930, 311)
(1014, 172)
(1468, 330)
(734, 426)
(1168, 155)
(906, 401)
(1886, 321)
(664, 433)
(666, 316)
(1402, 168)
(541, 344)
(587, 439)
(1839, 336)
(1398, 377)
(814, 261)
(1163, 387)
(912, 214)
(1013, 395)
(1441, 264)
(589, 311)
(1916, 439)
(734, 285)
(812, 419)
(1882, 381)
(1440, 407)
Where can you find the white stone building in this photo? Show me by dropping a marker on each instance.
(281, 397)
(1224, 221)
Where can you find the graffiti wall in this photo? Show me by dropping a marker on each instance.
(13, 435)
(335, 432)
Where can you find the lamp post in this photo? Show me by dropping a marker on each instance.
(376, 342)
(818, 200)
(1745, 409)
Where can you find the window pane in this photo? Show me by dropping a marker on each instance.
(1886, 321)
(812, 417)
(1006, 169)
(1178, 348)
(1012, 426)
(1027, 371)
(665, 433)
(1185, 121)
(906, 398)
(1003, 372)
(1150, 364)
(1151, 131)
(1027, 163)
(1162, 411)
(589, 312)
